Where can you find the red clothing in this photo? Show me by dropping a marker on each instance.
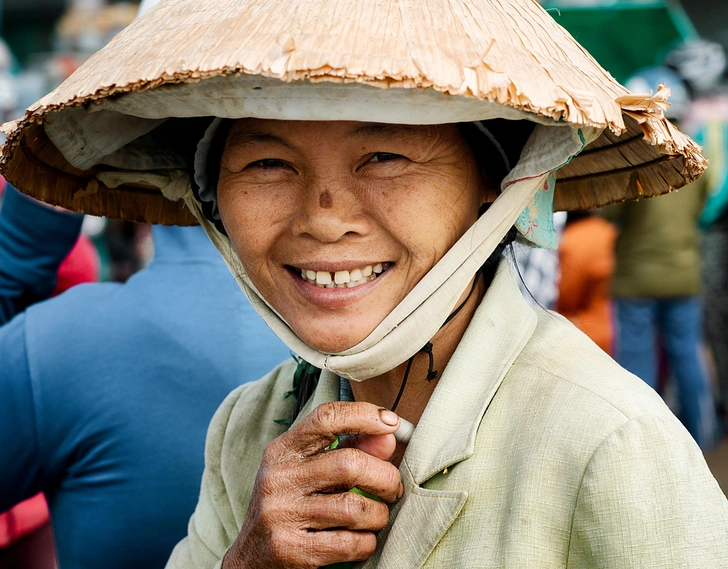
(81, 265)
(23, 519)
(586, 254)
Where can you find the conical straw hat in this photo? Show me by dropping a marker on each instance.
(379, 60)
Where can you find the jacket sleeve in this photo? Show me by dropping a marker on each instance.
(212, 527)
(647, 499)
(21, 475)
(34, 240)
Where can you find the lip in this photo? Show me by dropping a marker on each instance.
(332, 298)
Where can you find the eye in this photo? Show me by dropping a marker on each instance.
(267, 164)
(384, 157)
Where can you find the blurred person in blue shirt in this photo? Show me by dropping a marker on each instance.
(106, 391)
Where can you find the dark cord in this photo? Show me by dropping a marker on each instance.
(404, 382)
(454, 313)
(431, 373)
(427, 348)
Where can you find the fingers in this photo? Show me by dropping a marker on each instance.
(329, 420)
(301, 513)
(343, 469)
(338, 546)
(344, 510)
(304, 549)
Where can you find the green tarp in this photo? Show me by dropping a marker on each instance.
(624, 36)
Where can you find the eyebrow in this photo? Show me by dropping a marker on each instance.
(389, 130)
(248, 137)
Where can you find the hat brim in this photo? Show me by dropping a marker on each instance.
(154, 78)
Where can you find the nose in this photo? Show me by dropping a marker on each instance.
(330, 210)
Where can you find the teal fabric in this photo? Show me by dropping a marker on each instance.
(714, 139)
(536, 222)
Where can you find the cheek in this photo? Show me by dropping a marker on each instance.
(247, 217)
(433, 216)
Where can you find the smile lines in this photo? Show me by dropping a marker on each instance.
(344, 279)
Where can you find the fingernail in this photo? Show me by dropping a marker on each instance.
(388, 417)
(401, 491)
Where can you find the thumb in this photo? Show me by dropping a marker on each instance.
(378, 446)
(337, 418)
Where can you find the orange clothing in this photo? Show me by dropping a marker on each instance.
(586, 253)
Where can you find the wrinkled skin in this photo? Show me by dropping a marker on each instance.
(301, 515)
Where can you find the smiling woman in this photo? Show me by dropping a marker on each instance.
(362, 183)
(334, 198)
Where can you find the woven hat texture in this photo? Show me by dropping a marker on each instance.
(131, 107)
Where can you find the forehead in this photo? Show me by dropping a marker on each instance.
(293, 133)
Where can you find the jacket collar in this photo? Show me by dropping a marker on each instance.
(498, 332)
(500, 329)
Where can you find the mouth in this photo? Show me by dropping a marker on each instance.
(342, 279)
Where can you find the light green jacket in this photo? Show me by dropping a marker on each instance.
(535, 451)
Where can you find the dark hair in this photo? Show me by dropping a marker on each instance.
(511, 136)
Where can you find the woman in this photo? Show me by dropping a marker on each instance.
(357, 206)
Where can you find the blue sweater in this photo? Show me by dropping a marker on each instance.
(106, 393)
(34, 239)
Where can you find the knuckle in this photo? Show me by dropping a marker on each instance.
(280, 549)
(272, 481)
(348, 465)
(292, 550)
(270, 515)
(273, 451)
(353, 506)
(325, 415)
(393, 476)
(379, 515)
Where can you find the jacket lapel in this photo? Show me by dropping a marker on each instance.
(498, 332)
(420, 518)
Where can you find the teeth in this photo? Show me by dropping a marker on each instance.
(341, 277)
(323, 278)
(344, 279)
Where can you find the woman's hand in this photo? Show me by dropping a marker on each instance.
(301, 513)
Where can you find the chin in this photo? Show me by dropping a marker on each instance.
(331, 344)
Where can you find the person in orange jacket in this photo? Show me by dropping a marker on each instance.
(586, 254)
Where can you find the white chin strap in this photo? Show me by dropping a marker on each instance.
(422, 312)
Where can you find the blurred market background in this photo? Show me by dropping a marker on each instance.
(43, 41)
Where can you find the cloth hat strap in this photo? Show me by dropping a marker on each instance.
(421, 313)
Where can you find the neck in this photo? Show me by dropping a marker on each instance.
(383, 390)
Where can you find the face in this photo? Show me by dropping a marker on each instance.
(335, 222)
